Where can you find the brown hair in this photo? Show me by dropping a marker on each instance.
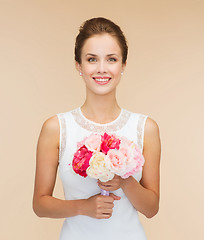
(99, 26)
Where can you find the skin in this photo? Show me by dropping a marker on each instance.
(100, 106)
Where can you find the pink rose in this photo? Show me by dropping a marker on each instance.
(109, 142)
(115, 161)
(93, 142)
(126, 152)
(81, 160)
(126, 142)
(81, 143)
(135, 162)
(138, 157)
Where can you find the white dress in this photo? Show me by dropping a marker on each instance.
(124, 222)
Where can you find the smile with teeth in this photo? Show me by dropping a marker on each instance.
(105, 79)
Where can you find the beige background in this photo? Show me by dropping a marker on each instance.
(164, 79)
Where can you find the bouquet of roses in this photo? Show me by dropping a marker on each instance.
(103, 156)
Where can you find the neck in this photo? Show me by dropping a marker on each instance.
(101, 108)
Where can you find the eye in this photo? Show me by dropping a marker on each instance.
(112, 59)
(92, 59)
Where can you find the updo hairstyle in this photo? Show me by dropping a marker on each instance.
(96, 26)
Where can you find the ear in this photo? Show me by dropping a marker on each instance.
(78, 66)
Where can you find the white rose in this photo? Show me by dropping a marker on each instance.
(97, 168)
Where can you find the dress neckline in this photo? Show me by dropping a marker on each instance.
(100, 124)
(92, 126)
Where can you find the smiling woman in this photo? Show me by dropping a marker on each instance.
(100, 54)
(101, 61)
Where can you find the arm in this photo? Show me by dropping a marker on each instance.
(44, 204)
(144, 196)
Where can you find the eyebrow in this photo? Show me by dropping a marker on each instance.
(112, 54)
(91, 54)
(94, 55)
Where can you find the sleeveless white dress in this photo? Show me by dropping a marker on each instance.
(124, 222)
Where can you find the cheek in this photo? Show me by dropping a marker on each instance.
(117, 71)
(87, 69)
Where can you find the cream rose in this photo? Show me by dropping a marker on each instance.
(97, 168)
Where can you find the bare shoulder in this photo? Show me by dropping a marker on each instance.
(51, 123)
(51, 129)
(151, 127)
(151, 131)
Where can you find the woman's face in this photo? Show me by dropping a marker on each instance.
(101, 63)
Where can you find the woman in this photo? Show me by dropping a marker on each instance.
(100, 54)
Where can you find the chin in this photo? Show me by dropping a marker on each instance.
(101, 92)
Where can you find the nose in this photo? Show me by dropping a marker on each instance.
(102, 67)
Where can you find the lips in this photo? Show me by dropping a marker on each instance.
(102, 80)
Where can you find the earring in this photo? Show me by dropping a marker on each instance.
(121, 73)
(80, 74)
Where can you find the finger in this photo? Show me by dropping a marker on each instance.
(114, 196)
(109, 205)
(104, 216)
(108, 199)
(105, 213)
(105, 184)
(107, 188)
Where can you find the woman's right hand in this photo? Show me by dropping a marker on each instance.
(99, 206)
